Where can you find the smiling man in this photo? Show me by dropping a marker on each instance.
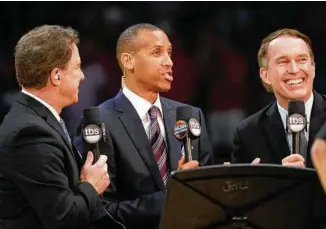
(287, 69)
(142, 147)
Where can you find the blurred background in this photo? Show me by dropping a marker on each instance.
(214, 51)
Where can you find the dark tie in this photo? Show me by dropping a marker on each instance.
(303, 145)
(63, 125)
(157, 143)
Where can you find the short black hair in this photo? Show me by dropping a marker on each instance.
(127, 38)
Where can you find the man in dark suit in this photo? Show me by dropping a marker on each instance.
(287, 69)
(41, 186)
(140, 123)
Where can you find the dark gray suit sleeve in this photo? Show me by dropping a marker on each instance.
(205, 148)
(238, 152)
(131, 213)
(134, 213)
(36, 165)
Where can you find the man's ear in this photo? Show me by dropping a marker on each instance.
(127, 61)
(264, 76)
(314, 67)
(55, 77)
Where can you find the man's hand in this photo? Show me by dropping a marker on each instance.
(182, 164)
(254, 162)
(295, 160)
(97, 174)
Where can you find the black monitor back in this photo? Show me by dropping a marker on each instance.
(240, 197)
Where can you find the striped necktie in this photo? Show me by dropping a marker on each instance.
(158, 143)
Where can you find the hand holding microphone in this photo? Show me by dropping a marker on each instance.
(96, 174)
(296, 123)
(295, 160)
(182, 164)
(95, 169)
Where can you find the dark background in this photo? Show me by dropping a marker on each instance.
(214, 51)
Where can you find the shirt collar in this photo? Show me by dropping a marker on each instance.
(308, 108)
(140, 104)
(53, 111)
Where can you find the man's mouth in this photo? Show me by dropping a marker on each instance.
(168, 76)
(294, 81)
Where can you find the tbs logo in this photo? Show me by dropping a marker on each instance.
(296, 122)
(92, 134)
(194, 127)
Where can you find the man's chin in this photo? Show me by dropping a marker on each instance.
(74, 101)
(165, 88)
(299, 95)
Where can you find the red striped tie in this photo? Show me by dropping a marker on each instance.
(157, 143)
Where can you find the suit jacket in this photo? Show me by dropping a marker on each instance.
(137, 193)
(39, 176)
(262, 135)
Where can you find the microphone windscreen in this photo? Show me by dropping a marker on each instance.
(296, 107)
(184, 113)
(92, 116)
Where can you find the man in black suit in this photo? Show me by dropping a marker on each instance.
(144, 147)
(41, 186)
(287, 69)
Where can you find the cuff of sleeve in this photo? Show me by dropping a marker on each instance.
(93, 200)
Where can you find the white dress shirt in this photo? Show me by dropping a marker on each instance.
(52, 110)
(284, 113)
(142, 107)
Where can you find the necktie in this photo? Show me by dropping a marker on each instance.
(303, 145)
(63, 125)
(157, 143)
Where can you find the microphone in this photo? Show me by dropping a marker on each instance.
(93, 131)
(296, 122)
(186, 129)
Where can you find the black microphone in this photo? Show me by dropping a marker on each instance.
(186, 129)
(296, 122)
(93, 131)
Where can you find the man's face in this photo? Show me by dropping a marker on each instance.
(71, 77)
(152, 61)
(290, 70)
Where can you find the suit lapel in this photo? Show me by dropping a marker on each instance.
(46, 114)
(274, 129)
(53, 122)
(135, 129)
(173, 145)
(318, 117)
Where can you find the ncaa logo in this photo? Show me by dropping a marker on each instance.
(180, 129)
(194, 127)
(92, 134)
(296, 123)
